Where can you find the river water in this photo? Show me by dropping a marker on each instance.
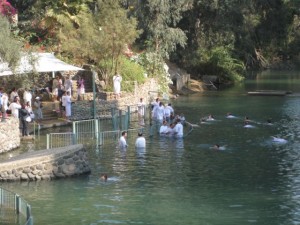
(252, 180)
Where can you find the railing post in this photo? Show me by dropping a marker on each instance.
(30, 221)
(96, 134)
(128, 110)
(100, 138)
(1, 196)
(120, 119)
(144, 110)
(74, 132)
(48, 141)
(94, 74)
(39, 127)
(28, 215)
(17, 204)
(73, 139)
(113, 118)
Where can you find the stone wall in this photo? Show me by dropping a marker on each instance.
(9, 134)
(46, 164)
(83, 109)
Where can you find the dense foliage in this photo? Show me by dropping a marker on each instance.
(10, 47)
(220, 37)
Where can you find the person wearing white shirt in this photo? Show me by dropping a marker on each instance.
(154, 106)
(68, 85)
(68, 104)
(160, 113)
(164, 129)
(27, 96)
(4, 106)
(155, 103)
(171, 108)
(170, 131)
(178, 129)
(117, 79)
(141, 112)
(14, 107)
(167, 113)
(140, 141)
(122, 141)
(13, 94)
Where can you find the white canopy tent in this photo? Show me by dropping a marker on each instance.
(42, 62)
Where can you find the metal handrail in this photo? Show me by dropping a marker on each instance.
(13, 201)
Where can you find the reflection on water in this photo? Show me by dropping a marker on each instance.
(183, 181)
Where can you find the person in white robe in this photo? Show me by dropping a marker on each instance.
(27, 96)
(13, 94)
(122, 141)
(68, 85)
(117, 79)
(140, 141)
(141, 111)
(14, 107)
(68, 103)
(164, 129)
(178, 129)
(4, 106)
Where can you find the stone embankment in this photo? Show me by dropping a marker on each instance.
(46, 164)
(82, 109)
(9, 134)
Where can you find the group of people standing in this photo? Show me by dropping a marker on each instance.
(169, 124)
(62, 92)
(21, 109)
(163, 117)
(60, 86)
(139, 143)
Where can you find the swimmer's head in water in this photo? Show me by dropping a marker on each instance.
(103, 177)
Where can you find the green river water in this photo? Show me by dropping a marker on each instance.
(253, 180)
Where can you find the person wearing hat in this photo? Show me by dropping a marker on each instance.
(140, 141)
(38, 114)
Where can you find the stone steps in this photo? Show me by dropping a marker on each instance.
(50, 110)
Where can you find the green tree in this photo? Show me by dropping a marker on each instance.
(102, 37)
(258, 32)
(10, 48)
(158, 19)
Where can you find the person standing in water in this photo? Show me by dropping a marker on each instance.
(122, 141)
(140, 141)
(178, 129)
